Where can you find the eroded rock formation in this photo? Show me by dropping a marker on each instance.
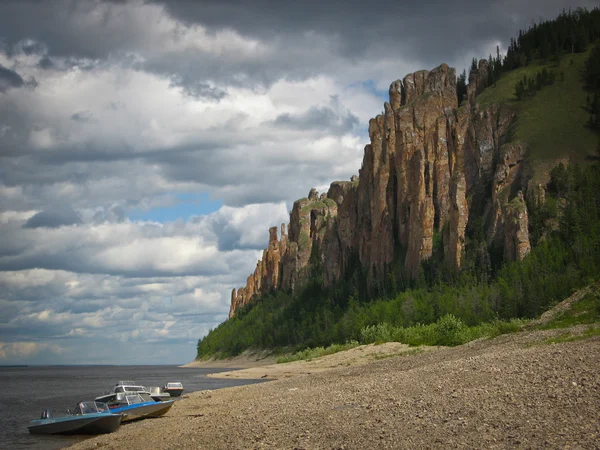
(425, 159)
(516, 233)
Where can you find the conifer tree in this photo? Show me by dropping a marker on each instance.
(461, 86)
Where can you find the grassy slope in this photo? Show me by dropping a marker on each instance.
(553, 122)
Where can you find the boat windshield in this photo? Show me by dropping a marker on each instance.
(146, 397)
(135, 398)
(90, 408)
(126, 388)
(174, 386)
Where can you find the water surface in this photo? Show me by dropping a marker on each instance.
(26, 391)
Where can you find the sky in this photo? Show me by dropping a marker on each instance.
(146, 147)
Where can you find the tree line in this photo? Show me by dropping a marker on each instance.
(571, 32)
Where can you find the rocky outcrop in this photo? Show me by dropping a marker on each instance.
(425, 160)
(507, 182)
(516, 234)
(478, 79)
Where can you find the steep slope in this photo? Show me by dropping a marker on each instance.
(423, 174)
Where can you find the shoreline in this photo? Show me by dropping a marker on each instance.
(246, 360)
(512, 391)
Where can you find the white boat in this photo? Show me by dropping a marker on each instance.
(129, 387)
(174, 388)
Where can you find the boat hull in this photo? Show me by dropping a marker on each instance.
(143, 410)
(96, 424)
(173, 392)
(161, 397)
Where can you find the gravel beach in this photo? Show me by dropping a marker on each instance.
(515, 391)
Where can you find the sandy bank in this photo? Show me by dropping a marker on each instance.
(511, 392)
(358, 356)
(239, 362)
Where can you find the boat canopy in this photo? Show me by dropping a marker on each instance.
(174, 385)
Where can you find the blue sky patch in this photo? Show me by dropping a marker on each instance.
(369, 85)
(187, 205)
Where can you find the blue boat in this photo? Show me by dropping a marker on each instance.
(138, 405)
(86, 418)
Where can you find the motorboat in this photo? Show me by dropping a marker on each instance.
(85, 418)
(138, 406)
(122, 387)
(159, 395)
(174, 388)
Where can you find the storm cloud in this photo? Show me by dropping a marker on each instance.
(53, 218)
(9, 79)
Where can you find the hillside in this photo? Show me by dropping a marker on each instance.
(461, 214)
(546, 122)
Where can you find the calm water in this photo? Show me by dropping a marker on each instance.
(25, 391)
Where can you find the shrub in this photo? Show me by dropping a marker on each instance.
(418, 334)
(317, 352)
(450, 331)
(382, 332)
(503, 327)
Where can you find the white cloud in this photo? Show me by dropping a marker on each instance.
(21, 350)
(99, 294)
(138, 137)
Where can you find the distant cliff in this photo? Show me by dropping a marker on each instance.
(426, 160)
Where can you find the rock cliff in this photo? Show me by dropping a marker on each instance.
(425, 160)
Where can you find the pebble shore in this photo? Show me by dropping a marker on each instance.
(515, 391)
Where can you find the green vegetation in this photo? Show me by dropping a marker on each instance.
(570, 337)
(461, 87)
(527, 87)
(312, 353)
(586, 311)
(592, 69)
(488, 296)
(451, 331)
(448, 331)
(546, 120)
(569, 33)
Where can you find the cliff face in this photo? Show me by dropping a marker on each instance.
(425, 159)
